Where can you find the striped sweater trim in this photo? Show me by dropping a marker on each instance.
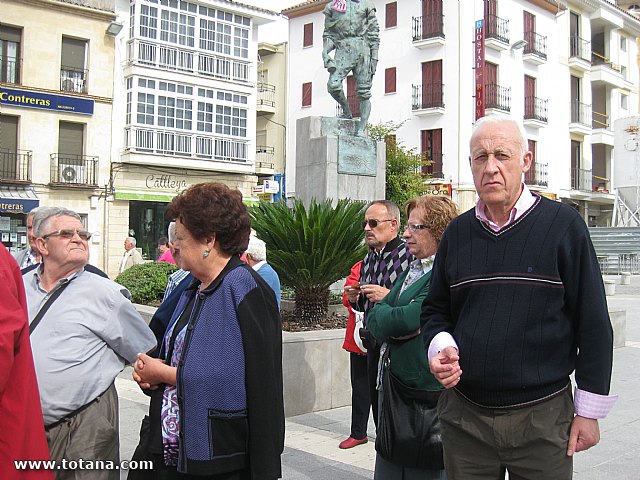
(510, 279)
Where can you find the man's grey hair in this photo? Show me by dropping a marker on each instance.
(257, 249)
(171, 232)
(132, 241)
(392, 209)
(502, 118)
(45, 215)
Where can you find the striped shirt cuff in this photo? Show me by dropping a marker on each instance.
(593, 405)
(441, 341)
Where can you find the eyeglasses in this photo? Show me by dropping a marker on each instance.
(374, 223)
(412, 227)
(68, 234)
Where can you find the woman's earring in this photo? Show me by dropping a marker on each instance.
(205, 254)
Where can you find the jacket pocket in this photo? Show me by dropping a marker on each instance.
(228, 432)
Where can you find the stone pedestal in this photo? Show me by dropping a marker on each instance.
(332, 162)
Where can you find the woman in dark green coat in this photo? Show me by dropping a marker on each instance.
(396, 322)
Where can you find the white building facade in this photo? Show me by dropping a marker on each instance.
(185, 94)
(567, 69)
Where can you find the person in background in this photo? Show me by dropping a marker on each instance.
(360, 398)
(387, 259)
(21, 422)
(256, 257)
(83, 331)
(131, 255)
(29, 256)
(165, 251)
(516, 305)
(217, 411)
(395, 320)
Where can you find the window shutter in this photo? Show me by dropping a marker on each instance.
(73, 53)
(306, 94)
(307, 40)
(70, 139)
(390, 80)
(391, 15)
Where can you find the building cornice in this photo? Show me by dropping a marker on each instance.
(550, 6)
(72, 8)
(310, 6)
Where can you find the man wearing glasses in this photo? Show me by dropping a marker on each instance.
(83, 330)
(387, 259)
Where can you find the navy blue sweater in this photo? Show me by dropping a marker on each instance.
(526, 306)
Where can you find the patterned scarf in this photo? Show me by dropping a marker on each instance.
(383, 268)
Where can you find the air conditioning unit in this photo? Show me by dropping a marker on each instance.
(72, 173)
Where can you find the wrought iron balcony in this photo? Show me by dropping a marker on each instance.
(10, 69)
(173, 143)
(581, 179)
(15, 165)
(354, 106)
(498, 97)
(432, 165)
(496, 27)
(536, 44)
(429, 95)
(264, 156)
(266, 95)
(428, 26)
(537, 175)
(580, 48)
(73, 80)
(581, 113)
(68, 169)
(535, 109)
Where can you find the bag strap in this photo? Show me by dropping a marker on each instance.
(46, 306)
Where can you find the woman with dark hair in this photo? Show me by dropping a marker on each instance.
(220, 413)
(409, 392)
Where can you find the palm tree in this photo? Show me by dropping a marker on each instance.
(311, 249)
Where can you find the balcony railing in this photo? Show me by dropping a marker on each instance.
(496, 27)
(192, 61)
(432, 165)
(354, 106)
(598, 59)
(537, 175)
(579, 47)
(68, 169)
(536, 44)
(15, 165)
(428, 26)
(581, 179)
(535, 109)
(10, 70)
(429, 95)
(172, 143)
(600, 121)
(580, 113)
(266, 95)
(264, 156)
(73, 80)
(498, 97)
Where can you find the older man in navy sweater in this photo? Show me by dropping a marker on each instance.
(516, 305)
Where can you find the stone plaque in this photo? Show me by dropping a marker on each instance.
(356, 155)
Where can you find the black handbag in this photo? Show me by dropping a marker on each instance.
(408, 432)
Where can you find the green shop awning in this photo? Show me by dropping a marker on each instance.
(145, 196)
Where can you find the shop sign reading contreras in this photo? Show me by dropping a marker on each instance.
(45, 101)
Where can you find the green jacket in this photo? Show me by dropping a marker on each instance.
(399, 315)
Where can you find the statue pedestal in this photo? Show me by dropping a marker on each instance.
(332, 162)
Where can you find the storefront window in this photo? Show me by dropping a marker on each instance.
(13, 229)
(147, 224)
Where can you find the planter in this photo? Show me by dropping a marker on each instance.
(288, 305)
(315, 369)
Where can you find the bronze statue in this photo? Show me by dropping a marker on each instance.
(351, 29)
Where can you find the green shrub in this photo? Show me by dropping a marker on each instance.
(146, 281)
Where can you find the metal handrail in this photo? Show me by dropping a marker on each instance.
(429, 95)
(497, 28)
(536, 44)
(74, 169)
(15, 165)
(498, 97)
(427, 26)
(579, 47)
(535, 108)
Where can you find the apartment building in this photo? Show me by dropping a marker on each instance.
(567, 69)
(56, 90)
(185, 91)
